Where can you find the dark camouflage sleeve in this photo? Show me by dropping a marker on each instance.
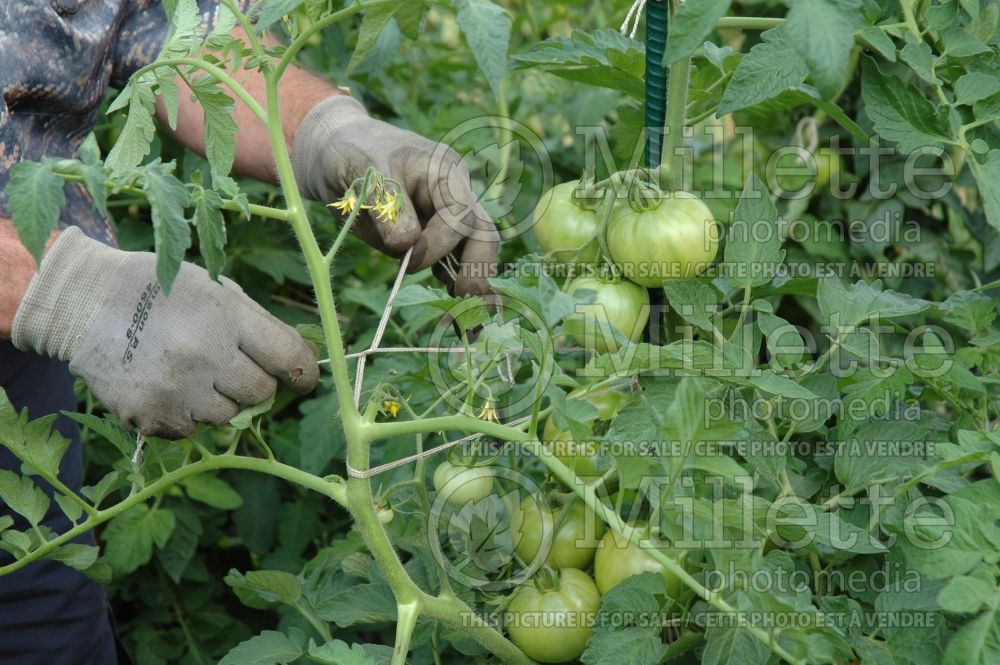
(143, 31)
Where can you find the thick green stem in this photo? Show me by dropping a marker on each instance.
(749, 22)
(406, 619)
(333, 490)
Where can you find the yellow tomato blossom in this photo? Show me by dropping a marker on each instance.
(391, 407)
(388, 207)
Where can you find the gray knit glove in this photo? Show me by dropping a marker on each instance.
(160, 363)
(336, 144)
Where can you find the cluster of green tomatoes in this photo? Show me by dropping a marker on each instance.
(577, 558)
(617, 245)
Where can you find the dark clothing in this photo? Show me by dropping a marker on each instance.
(49, 613)
(57, 60)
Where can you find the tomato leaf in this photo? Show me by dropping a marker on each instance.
(132, 535)
(770, 67)
(35, 198)
(486, 27)
(753, 248)
(899, 112)
(268, 648)
(692, 22)
(168, 197)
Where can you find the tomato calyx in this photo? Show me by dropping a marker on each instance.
(644, 196)
(546, 579)
(587, 195)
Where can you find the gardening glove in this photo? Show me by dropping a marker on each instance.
(160, 363)
(440, 218)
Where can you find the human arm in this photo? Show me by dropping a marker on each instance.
(17, 267)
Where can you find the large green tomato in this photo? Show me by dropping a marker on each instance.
(617, 560)
(623, 305)
(461, 484)
(573, 543)
(563, 226)
(551, 623)
(677, 240)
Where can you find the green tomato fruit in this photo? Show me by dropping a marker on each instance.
(461, 484)
(617, 560)
(579, 456)
(677, 240)
(572, 545)
(828, 165)
(551, 623)
(622, 305)
(562, 226)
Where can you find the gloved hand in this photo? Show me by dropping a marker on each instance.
(160, 363)
(336, 144)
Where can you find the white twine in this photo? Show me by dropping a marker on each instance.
(382, 324)
(634, 11)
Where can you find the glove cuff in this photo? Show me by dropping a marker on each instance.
(65, 295)
(312, 141)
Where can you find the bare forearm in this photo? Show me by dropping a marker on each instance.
(17, 267)
(300, 92)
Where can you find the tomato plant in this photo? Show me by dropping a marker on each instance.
(550, 618)
(811, 418)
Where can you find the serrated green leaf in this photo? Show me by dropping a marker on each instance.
(694, 300)
(75, 555)
(23, 497)
(967, 595)
(272, 11)
(35, 198)
(863, 302)
(777, 384)
(34, 442)
(244, 419)
(486, 27)
(987, 173)
(374, 21)
(975, 86)
(131, 536)
(918, 55)
(753, 248)
(604, 58)
(691, 24)
(268, 648)
(211, 225)
(168, 197)
(900, 112)
(340, 653)
(727, 645)
(220, 126)
(880, 41)
(769, 68)
(107, 428)
(137, 134)
(265, 588)
(822, 32)
(212, 491)
(977, 642)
